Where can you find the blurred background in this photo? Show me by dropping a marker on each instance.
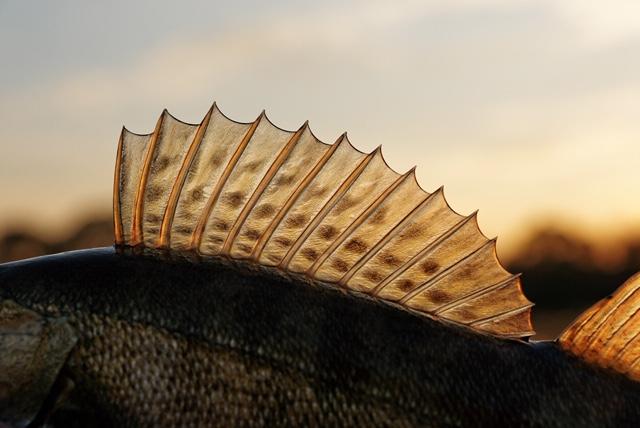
(527, 110)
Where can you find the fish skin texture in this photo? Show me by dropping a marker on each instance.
(173, 343)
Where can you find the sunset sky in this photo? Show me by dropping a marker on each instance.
(527, 110)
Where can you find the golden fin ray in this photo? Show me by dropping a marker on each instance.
(205, 221)
(433, 281)
(608, 333)
(485, 292)
(330, 212)
(388, 260)
(167, 218)
(487, 304)
(244, 248)
(322, 212)
(133, 149)
(312, 271)
(263, 149)
(507, 323)
(432, 242)
(367, 229)
(343, 212)
(164, 159)
(118, 231)
(275, 200)
(220, 141)
(138, 210)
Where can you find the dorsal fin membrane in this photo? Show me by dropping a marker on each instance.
(608, 333)
(283, 199)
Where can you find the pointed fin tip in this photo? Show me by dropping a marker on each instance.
(212, 110)
(207, 117)
(344, 139)
(265, 116)
(314, 136)
(166, 113)
(384, 160)
(210, 113)
(304, 127)
(411, 173)
(161, 119)
(126, 131)
(219, 110)
(471, 216)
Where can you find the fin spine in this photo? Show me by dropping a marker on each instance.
(607, 334)
(502, 315)
(621, 352)
(385, 239)
(632, 366)
(271, 172)
(170, 210)
(117, 215)
(618, 328)
(344, 187)
(518, 334)
(464, 299)
(262, 241)
(572, 330)
(136, 235)
(596, 330)
(357, 222)
(446, 272)
(428, 249)
(196, 237)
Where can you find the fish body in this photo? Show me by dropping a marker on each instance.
(263, 278)
(176, 343)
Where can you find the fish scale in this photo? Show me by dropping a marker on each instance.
(210, 345)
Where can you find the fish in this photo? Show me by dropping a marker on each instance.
(260, 277)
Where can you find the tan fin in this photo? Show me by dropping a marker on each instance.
(284, 199)
(608, 333)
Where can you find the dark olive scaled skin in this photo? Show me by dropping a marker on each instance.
(176, 343)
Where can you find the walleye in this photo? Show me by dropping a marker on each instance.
(261, 277)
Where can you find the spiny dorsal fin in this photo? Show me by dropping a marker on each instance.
(608, 333)
(255, 192)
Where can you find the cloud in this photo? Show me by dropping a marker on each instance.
(602, 23)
